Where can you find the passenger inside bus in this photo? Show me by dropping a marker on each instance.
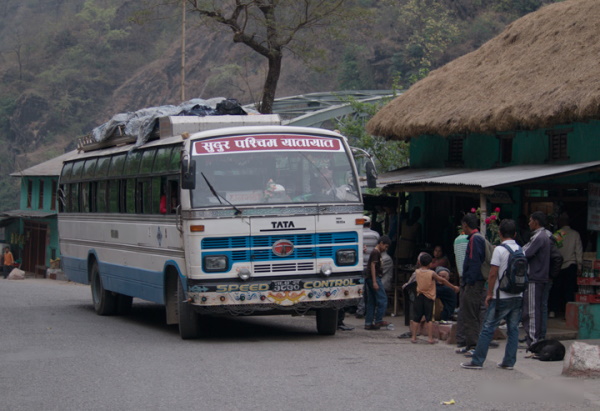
(163, 203)
(171, 206)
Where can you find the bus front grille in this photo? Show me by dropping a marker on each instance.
(283, 267)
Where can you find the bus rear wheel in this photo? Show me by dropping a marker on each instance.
(189, 320)
(105, 302)
(327, 321)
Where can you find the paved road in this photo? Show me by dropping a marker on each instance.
(57, 354)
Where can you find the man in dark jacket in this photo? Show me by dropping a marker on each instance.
(472, 283)
(537, 251)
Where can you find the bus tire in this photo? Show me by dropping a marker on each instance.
(189, 321)
(124, 303)
(327, 321)
(105, 302)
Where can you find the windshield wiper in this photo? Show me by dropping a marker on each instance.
(219, 197)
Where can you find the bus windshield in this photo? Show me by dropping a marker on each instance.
(280, 169)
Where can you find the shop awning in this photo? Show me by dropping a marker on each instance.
(4, 220)
(27, 214)
(477, 181)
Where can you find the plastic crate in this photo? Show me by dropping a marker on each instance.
(588, 298)
(588, 281)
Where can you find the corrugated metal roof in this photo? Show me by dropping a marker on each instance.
(49, 168)
(454, 179)
(28, 213)
(406, 174)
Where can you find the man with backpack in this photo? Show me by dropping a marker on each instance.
(504, 299)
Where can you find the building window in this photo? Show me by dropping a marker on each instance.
(558, 148)
(29, 193)
(53, 202)
(41, 195)
(506, 148)
(455, 151)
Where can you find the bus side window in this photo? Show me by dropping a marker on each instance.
(129, 188)
(174, 196)
(157, 192)
(113, 196)
(74, 197)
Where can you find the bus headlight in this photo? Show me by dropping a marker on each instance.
(244, 274)
(345, 257)
(326, 270)
(215, 263)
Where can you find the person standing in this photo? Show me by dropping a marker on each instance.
(500, 305)
(568, 242)
(376, 297)
(370, 240)
(9, 261)
(537, 251)
(472, 284)
(460, 250)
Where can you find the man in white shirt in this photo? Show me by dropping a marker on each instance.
(501, 305)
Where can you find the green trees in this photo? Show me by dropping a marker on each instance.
(272, 27)
(388, 155)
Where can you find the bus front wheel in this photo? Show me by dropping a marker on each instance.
(105, 302)
(189, 321)
(327, 321)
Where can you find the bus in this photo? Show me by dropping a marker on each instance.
(243, 220)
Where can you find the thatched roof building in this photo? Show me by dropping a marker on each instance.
(541, 71)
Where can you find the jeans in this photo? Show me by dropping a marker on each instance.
(362, 303)
(510, 310)
(7, 269)
(472, 312)
(376, 302)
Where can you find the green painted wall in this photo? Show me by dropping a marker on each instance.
(35, 197)
(52, 247)
(482, 151)
(529, 147)
(589, 321)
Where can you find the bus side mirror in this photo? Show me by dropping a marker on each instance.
(188, 174)
(371, 174)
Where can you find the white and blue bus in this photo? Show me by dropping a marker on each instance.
(245, 220)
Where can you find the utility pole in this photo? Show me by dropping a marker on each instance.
(182, 50)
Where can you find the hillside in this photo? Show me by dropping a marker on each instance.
(67, 66)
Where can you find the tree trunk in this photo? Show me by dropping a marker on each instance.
(270, 86)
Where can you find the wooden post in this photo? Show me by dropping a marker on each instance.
(483, 213)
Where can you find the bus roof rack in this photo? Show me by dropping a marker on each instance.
(177, 125)
(170, 126)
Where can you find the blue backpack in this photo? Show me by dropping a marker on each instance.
(515, 279)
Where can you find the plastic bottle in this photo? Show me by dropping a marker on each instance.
(390, 327)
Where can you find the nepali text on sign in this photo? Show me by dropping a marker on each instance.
(266, 143)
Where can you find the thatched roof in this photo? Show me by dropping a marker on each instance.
(542, 70)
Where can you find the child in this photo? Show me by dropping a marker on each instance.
(423, 305)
